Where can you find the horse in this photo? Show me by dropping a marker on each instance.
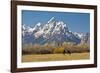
(64, 52)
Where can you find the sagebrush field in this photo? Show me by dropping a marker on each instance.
(54, 57)
(51, 52)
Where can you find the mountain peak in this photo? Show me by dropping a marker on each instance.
(38, 24)
(53, 31)
(52, 19)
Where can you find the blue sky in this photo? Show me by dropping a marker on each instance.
(77, 22)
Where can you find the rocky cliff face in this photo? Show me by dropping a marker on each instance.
(52, 32)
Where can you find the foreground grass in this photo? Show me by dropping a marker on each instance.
(54, 57)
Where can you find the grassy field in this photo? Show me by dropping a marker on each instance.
(54, 57)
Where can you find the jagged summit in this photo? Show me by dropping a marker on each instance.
(51, 20)
(51, 32)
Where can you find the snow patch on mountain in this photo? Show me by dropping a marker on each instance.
(52, 31)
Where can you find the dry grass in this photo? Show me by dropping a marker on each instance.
(54, 57)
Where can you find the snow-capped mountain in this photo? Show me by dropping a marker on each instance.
(85, 39)
(52, 32)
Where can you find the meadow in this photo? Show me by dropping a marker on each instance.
(54, 57)
(51, 52)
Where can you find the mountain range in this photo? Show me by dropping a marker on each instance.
(52, 32)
